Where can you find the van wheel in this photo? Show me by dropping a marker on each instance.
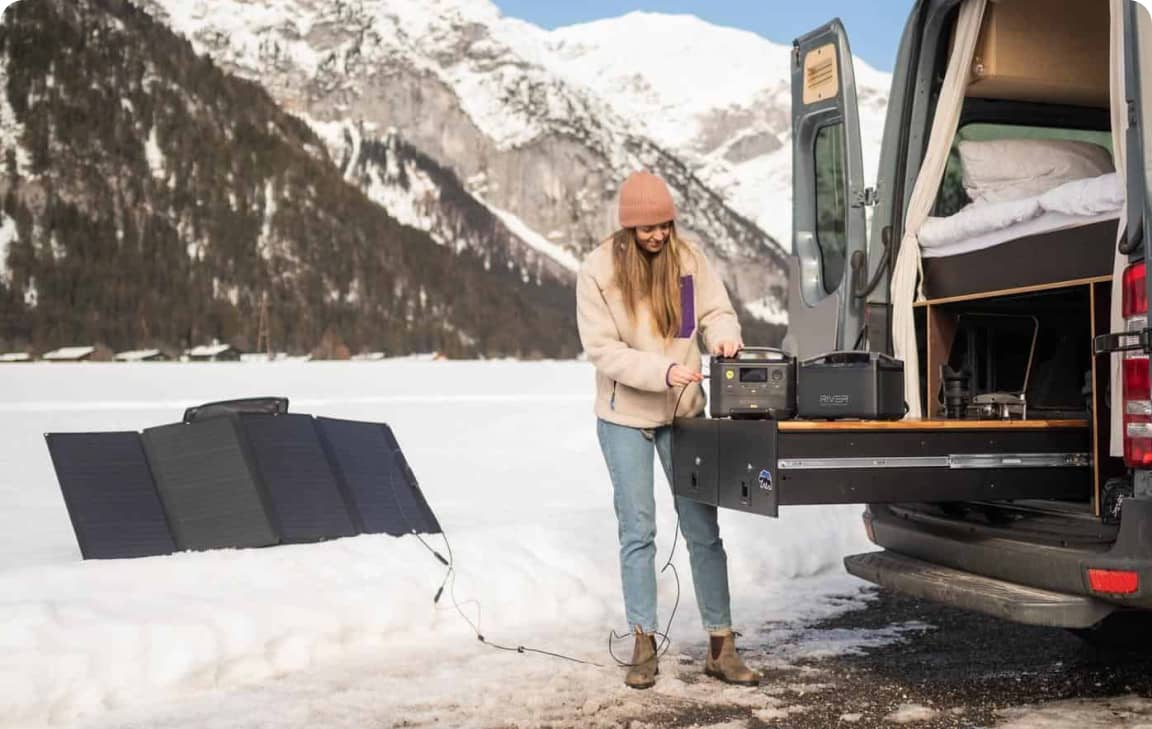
(1120, 632)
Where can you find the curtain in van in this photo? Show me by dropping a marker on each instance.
(1119, 110)
(905, 288)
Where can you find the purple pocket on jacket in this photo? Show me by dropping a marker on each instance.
(687, 307)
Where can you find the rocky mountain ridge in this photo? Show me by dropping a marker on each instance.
(149, 198)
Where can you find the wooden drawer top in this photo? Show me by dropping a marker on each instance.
(923, 424)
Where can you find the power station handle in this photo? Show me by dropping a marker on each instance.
(758, 353)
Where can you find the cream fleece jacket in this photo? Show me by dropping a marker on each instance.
(631, 359)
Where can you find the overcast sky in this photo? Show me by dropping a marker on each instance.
(873, 27)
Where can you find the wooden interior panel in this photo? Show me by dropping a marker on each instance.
(1046, 51)
(941, 331)
(1014, 291)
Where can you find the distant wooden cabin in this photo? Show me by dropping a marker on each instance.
(70, 354)
(142, 355)
(11, 357)
(214, 353)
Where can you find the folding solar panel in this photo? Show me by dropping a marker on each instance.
(208, 485)
(110, 496)
(377, 481)
(302, 490)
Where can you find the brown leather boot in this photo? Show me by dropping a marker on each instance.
(643, 669)
(724, 663)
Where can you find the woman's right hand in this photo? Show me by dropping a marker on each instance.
(681, 376)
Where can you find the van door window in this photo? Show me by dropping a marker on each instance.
(831, 204)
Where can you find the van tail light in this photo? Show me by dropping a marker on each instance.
(1136, 386)
(1114, 582)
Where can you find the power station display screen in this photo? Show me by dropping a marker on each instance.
(753, 374)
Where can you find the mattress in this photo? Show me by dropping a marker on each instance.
(1050, 256)
(1046, 222)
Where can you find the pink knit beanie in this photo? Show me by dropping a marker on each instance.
(645, 200)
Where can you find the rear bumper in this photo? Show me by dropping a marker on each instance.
(973, 592)
(992, 553)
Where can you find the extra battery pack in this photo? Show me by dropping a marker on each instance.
(861, 385)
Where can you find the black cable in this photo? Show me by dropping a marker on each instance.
(450, 578)
(666, 635)
(450, 581)
(885, 259)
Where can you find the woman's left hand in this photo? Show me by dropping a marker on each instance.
(726, 348)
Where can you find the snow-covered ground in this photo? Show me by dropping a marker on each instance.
(506, 454)
(345, 633)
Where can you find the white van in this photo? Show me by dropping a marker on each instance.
(1004, 265)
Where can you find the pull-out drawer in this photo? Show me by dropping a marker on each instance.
(759, 465)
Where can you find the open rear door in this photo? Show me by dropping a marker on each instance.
(828, 222)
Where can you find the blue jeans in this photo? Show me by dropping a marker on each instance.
(628, 453)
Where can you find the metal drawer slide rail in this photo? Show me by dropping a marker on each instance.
(958, 460)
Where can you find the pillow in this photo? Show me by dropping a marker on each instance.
(1000, 170)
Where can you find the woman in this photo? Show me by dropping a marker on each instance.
(640, 298)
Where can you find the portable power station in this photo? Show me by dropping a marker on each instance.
(759, 382)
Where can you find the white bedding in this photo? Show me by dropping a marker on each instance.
(982, 225)
(1045, 223)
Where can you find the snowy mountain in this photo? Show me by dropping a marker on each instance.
(719, 97)
(482, 96)
(151, 199)
(503, 143)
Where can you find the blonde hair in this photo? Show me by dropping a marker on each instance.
(651, 277)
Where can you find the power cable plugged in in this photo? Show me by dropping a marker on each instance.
(449, 582)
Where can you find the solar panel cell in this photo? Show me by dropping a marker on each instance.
(372, 472)
(109, 493)
(208, 486)
(302, 489)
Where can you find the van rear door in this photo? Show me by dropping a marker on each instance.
(828, 197)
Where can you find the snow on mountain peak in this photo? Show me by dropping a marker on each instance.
(493, 63)
(719, 97)
(679, 63)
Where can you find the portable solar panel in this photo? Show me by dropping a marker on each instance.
(208, 485)
(111, 499)
(373, 472)
(303, 494)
